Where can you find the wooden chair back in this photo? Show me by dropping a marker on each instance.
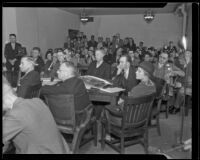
(136, 111)
(33, 91)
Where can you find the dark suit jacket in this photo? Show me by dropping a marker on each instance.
(10, 54)
(40, 67)
(103, 71)
(46, 67)
(74, 86)
(31, 79)
(129, 83)
(32, 128)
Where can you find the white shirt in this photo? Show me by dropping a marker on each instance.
(98, 64)
(126, 73)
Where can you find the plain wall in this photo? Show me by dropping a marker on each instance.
(163, 28)
(189, 28)
(42, 27)
(9, 26)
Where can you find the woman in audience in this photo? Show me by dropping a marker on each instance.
(48, 63)
(38, 60)
(146, 87)
(30, 78)
(29, 124)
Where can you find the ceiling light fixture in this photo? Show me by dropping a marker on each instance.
(149, 16)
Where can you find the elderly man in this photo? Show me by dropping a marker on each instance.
(99, 68)
(29, 124)
(30, 77)
(125, 74)
(70, 84)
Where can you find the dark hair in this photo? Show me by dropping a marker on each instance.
(48, 52)
(12, 34)
(128, 58)
(36, 48)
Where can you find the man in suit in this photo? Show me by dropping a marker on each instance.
(70, 84)
(92, 42)
(12, 60)
(99, 68)
(29, 124)
(30, 77)
(125, 74)
(38, 60)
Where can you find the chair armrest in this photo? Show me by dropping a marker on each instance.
(115, 110)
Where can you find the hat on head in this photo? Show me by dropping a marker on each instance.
(148, 67)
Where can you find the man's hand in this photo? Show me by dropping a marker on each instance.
(12, 61)
(119, 69)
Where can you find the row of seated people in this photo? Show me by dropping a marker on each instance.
(23, 110)
(99, 66)
(128, 42)
(125, 76)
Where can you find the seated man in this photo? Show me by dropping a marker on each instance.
(70, 84)
(29, 124)
(38, 60)
(30, 78)
(124, 75)
(99, 68)
(56, 65)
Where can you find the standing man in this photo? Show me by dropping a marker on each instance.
(12, 60)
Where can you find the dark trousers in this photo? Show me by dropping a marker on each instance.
(98, 108)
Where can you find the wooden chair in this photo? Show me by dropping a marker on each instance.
(70, 121)
(33, 91)
(128, 125)
(156, 107)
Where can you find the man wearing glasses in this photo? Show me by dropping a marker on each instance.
(69, 84)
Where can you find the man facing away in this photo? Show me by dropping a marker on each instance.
(29, 124)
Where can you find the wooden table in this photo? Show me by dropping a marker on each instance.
(101, 96)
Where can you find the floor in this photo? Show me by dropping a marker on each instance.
(169, 130)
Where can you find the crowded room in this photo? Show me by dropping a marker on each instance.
(97, 80)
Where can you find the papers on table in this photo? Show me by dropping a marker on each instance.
(93, 78)
(99, 83)
(112, 90)
(49, 79)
